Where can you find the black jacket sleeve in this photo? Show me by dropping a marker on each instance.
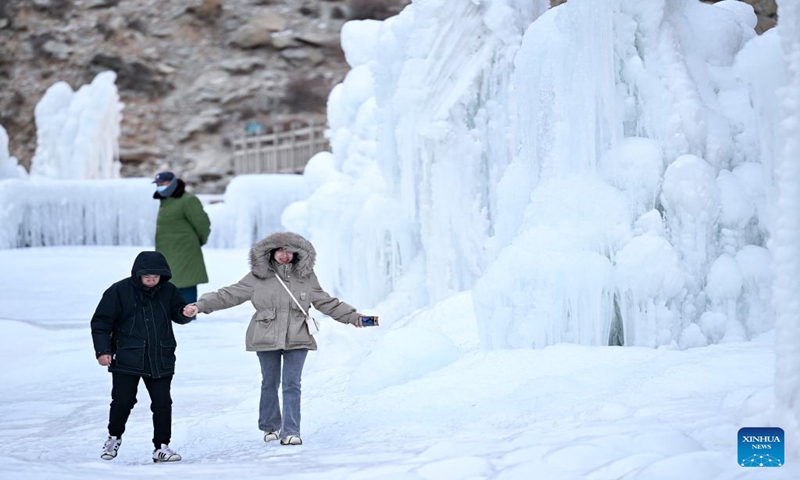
(176, 305)
(107, 312)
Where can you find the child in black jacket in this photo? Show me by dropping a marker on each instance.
(133, 337)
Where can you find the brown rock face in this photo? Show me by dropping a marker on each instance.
(767, 13)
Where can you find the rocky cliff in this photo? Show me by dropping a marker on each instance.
(191, 73)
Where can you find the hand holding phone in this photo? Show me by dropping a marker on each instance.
(368, 320)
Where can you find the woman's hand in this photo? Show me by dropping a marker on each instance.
(190, 310)
(104, 360)
(359, 322)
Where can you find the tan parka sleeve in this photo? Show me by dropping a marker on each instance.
(229, 296)
(331, 306)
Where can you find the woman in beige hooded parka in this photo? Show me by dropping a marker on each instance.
(278, 330)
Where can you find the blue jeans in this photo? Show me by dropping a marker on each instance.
(269, 413)
(189, 294)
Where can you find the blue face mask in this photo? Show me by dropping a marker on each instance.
(161, 188)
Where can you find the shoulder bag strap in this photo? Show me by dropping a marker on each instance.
(290, 294)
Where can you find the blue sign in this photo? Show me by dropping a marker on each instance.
(761, 447)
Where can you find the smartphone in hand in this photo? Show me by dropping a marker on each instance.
(369, 320)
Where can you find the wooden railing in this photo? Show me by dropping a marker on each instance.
(286, 149)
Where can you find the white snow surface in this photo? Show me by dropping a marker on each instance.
(412, 399)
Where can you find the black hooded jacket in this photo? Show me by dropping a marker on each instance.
(133, 323)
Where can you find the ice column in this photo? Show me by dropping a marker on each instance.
(78, 132)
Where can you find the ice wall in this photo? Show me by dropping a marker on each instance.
(413, 127)
(785, 242)
(643, 96)
(78, 132)
(443, 107)
(252, 207)
(597, 175)
(39, 212)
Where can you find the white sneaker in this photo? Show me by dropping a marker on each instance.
(165, 454)
(291, 440)
(270, 436)
(110, 448)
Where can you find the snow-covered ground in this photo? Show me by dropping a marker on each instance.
(562, 412)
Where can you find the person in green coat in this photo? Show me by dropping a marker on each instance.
(182, 228)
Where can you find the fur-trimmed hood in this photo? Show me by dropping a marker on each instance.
(304, 254)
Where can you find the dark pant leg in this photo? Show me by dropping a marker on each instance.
(269, 411)
(293, 361)
(123, 398)
(189, 294)
(161, 406)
